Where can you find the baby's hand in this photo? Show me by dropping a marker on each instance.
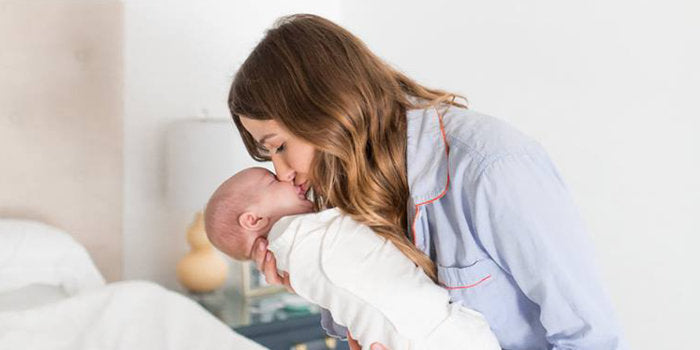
(267, 265)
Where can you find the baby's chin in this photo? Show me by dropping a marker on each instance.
(301, 207)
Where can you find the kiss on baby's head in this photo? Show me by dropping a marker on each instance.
(245, 207)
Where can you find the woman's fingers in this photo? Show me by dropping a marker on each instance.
(264, 260)
(352, 343)
(259, 252)
(287, 282)
(355, 345)
(270, 270)
(267, 265)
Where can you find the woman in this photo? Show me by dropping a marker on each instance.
(474, 202)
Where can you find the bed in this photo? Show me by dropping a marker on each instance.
(53, 297)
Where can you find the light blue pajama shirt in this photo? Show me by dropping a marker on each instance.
(491, 209)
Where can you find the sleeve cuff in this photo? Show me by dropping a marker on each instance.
(332, 329)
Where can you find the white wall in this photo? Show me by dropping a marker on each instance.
(608, 87)
(605, 85)
(180, 58)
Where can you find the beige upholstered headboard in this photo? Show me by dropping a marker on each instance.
(61, 120)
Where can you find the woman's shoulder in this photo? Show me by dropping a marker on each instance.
(442, 139)
(467, 132)
(484, 136)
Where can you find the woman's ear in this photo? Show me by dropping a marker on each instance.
(251, 221)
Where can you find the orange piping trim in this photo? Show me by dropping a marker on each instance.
(413, 226)
(468, 286)
(447, 153)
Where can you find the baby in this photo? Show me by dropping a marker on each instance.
(366, 283)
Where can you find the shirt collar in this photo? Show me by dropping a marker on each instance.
(426, 155)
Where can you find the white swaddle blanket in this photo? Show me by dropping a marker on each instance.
(371, 287)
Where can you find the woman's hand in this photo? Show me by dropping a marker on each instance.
(267, 265)
(354, 345)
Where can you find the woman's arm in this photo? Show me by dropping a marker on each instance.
(527, 221)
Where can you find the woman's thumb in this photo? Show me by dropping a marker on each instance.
(377, 346)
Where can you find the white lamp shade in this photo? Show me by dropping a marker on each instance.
(201, 154)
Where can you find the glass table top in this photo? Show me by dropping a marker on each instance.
(236, 310)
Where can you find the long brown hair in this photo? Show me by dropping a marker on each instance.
(325, 86)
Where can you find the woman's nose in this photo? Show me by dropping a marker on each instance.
(283, 171)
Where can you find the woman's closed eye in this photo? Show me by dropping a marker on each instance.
(265, 152)
(262, 150)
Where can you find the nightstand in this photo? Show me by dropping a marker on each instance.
(281, 321)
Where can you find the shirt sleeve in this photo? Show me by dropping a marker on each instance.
(527, 222)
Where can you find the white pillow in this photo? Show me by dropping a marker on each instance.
(36, 253)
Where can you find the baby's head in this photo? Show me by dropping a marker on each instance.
(244, 208)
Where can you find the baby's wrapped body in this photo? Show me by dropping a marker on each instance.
(371, 287)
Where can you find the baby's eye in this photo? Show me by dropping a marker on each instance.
(280, 148)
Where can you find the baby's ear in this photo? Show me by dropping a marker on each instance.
(250, 221)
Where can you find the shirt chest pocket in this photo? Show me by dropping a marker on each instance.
(481, 286)
(478, 274)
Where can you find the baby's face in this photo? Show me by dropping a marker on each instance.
(278, 198)
(266, 198)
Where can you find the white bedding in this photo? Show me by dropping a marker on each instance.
(53, 297)
(30, 296)
(35, 253)
(123, 315)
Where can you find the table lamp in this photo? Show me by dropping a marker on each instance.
(201, 154)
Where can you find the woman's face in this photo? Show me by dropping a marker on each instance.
(291, 156)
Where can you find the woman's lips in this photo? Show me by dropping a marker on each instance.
(304, 187)
(300, 192)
